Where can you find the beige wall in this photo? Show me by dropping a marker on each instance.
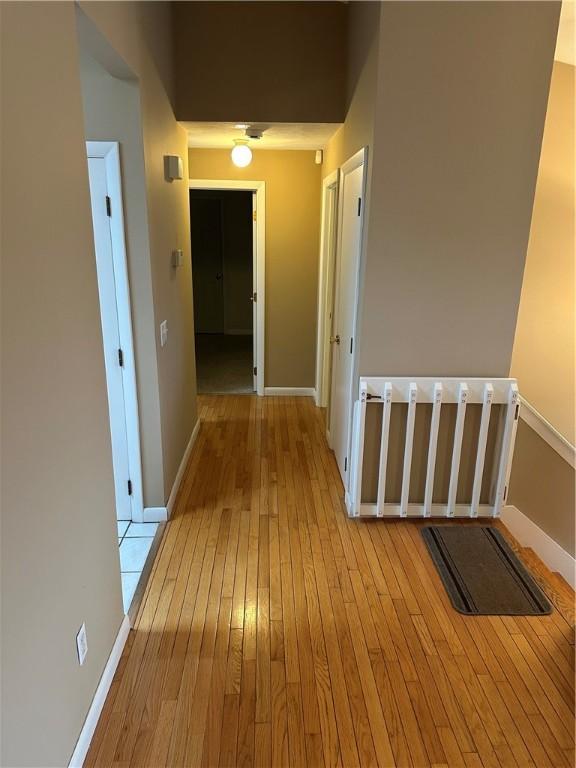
(141, 34)
(361, 66)
(112, 111)
(440, 92)
(542, 487)
(292, 242)
(59, 556)
(452, 184)
(543, 357)
(60, 564)
(542, 482)
(265, 61)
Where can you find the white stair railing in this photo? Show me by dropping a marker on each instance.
(437, 392)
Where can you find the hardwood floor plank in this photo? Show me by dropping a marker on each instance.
(371, 697)
(263, 657)
(276, 631)
(229, 731)
(279, 715)
(296, 735)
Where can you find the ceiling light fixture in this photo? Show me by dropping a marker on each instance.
(241, 153)
(254, 133)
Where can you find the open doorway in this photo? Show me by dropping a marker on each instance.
(226, 221)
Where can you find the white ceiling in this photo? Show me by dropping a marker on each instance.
(275, 136)
(565, 42)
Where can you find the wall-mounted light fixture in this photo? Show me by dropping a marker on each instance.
(172, 167)
(241, 153)
(318, 157)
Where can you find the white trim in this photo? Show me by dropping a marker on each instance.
(162, 514)
(547, 432)
(291, 391)
(349, 505)
(87, 732)
(259, 187)
(328, 232)
(421, 389)
(389, 509)
(109, 151)
(530, 535)
(182, 470)
(357, 159)
(155, 515)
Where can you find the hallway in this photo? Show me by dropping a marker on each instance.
(276, 631)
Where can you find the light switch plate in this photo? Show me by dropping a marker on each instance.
(82, 644)
(163, 332)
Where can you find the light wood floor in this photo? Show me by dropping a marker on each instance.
(277, 632)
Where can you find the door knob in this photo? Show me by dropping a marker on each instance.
(335, 339)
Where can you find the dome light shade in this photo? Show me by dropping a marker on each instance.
(241, 155)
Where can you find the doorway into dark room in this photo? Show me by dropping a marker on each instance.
(222, 273)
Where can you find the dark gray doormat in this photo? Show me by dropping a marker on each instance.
(482, 575)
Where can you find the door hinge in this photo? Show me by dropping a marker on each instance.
(121, 358)
(129, 487)
(254, 215)
(345, 463)
(351, 343)
(359, 205)
(108, 206)
(255, 296)
(255, 370)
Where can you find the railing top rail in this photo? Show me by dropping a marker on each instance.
(374, 388)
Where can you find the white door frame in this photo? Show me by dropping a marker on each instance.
(328, 237)
(259, 257)
(110, 153)
(358, 159)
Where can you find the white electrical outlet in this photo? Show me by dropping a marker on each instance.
(82, 644)
(163, 332)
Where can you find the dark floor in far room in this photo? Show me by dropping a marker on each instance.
(223, 363)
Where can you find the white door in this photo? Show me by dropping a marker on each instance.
(113, 352)
(343, 341)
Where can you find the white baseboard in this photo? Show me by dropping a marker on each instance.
(181, 470)
(291, 391)
(348, 502)
(154, 515)
(530, 535)
(87, 732)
